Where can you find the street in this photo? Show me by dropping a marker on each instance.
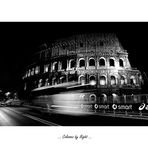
(16, 117)
(23, 116)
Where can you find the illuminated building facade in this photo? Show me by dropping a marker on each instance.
(87, 58)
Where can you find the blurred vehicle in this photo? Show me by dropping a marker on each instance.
(13, 102)
(68, 98)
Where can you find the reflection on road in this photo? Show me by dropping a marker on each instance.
(24, 116)
(15, 116)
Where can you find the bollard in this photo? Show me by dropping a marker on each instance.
(114, 113)
(126, 113)
(140, 113)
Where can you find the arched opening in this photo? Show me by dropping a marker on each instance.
(132, 80)
(54, 81)
(64, 64)
(82, 63)
(103, 98)
(37, 69)
(72, 63)
(121, 63)
(32, 71)
(47, 82)
(113, 80)
(102, 62)
(115, 98)
(92, 80)
(123, 81)
(40, 84)
(111, 62)
(91, 62)
(82, 79)
(46, 67)
(102, 80)
(29, 73)
(55, 66)
(62, 79)
(92, 97)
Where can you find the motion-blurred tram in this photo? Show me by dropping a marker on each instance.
(73, 98)
(67, 98)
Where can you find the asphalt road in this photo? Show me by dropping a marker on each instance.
(10, 116)
(23, 116)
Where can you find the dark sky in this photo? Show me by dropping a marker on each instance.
(20, 39)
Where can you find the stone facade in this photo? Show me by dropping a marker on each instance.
(86, 58)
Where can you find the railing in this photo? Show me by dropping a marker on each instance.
(131, 106)
(124, 99)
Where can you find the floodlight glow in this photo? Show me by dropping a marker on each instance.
(93, 83)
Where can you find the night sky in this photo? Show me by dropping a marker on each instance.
(19, 40)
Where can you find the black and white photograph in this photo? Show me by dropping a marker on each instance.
(73, 74)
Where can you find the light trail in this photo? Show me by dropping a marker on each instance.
(35, 118)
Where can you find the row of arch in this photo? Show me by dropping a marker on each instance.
(113, 98)
(103, 80)
(72, 64)
(102, 98)
(118, 98)
(92, 80)
(92, 62)
(102, 62)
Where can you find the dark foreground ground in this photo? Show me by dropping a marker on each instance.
(23, 116)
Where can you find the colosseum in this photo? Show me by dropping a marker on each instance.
(97, 59)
